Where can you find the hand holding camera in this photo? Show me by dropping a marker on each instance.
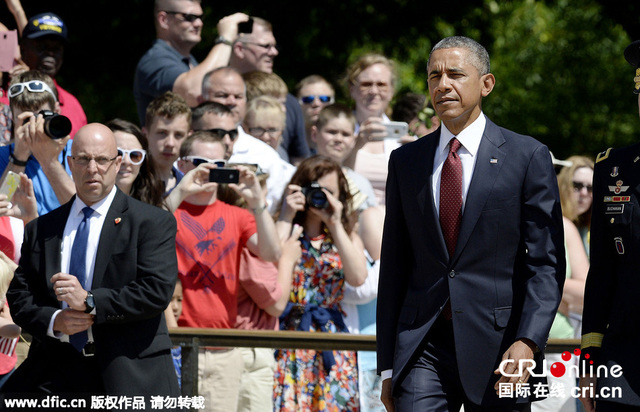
(247, 186)
(322, 203)
(44, 134)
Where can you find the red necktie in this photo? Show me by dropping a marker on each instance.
(451, 196)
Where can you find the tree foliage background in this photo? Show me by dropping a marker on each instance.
(561, 75)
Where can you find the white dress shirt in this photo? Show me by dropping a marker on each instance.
(470, 139)
(96, 221)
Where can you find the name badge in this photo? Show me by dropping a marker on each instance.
(614, 209)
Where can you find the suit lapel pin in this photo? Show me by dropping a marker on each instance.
(493, 160)
(619, 245)
(636, 159)
(117, 220)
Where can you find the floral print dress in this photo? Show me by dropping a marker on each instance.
(309, 380)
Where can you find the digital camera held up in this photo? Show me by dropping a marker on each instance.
(316, 198)
(56, 126)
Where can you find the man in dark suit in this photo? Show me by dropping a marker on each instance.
(610, 319)
(97, 322)
(472, 265)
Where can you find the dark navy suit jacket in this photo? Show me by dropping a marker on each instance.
(504, 280)
(134, 276)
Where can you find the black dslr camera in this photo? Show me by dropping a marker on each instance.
(315, 196)
(56, 126)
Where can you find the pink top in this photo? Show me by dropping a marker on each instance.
(258, 289)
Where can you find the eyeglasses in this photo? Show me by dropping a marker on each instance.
(221, 133)
(101, 161)
(310, 99)
(136, 156)
(366, 86)
(197, 161)
(185, 16)
(265, 46)
(577, 187)
(259, 131)
(34, 86)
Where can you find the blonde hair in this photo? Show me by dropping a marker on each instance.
(367, 60)
(260, 83)
(265, 107)
(565, 185)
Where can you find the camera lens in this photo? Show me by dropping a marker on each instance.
(317, 198)
(57, 126)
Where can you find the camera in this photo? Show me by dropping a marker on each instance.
(56, 126)
(224, 175)
(246, 26)
(315, 196)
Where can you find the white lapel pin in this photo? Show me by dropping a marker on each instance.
(493, 160)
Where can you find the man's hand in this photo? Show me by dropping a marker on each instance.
(386, 395)
(228, 26)
(521, 349)
(248, 187)
(587, 401)
(68, 289)
(70, 321)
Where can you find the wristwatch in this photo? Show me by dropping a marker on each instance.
(88, 301)
(222, 40)
(17, 162)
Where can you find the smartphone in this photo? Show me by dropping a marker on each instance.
(224, 175)
(396, 130)
(8, 49)
(10, 185)
(246, 26)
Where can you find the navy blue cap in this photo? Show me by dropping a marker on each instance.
(45, 24)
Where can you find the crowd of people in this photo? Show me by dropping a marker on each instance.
(234, 203)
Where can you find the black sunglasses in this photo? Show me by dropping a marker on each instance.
(577, 186)
(186, 16)
(221, 133)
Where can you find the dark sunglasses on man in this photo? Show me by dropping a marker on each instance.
(185, 16)
(221, 133)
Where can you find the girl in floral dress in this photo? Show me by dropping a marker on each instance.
(318, 199)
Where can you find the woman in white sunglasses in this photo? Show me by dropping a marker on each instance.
(136, 177)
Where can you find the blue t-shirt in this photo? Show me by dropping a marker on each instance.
(45, 196)
(156, 72)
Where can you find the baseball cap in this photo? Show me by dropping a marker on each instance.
(45, 24)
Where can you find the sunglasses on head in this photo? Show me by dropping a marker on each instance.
(136, 156)
(197, 161)
(186, 16)
(34, 86)
(323, 98)
(221, 133)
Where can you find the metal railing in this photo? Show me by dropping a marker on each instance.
(191, 339)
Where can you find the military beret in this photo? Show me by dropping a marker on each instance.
(632, 54)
